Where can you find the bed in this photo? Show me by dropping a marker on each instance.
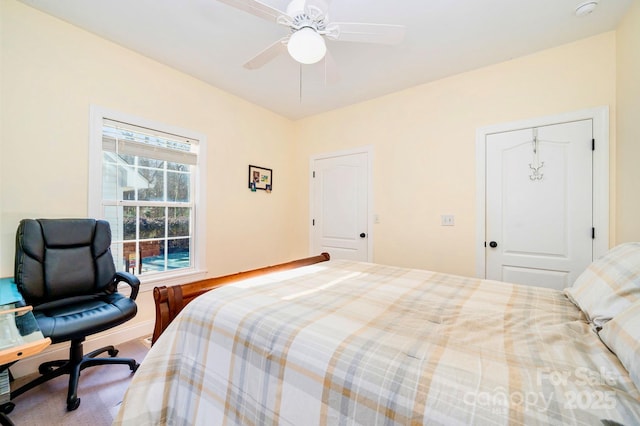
(344, 342)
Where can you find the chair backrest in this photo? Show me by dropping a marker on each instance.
(61, 258)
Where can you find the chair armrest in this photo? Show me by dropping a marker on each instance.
(130, 279)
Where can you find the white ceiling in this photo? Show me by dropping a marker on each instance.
(211, 41)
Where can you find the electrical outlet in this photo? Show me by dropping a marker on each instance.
(447, 220)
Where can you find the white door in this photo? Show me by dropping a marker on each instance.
(339, 206)
(539, 218)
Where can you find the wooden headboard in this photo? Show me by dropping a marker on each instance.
(169, 301)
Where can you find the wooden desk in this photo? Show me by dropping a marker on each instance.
(20, 337)
(17, 346)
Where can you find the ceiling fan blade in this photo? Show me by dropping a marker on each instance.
(320, 4)
(297, 7)
(366, 33)
(256, 8)
(267, 54)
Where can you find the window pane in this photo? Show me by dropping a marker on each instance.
(179, 221)
(128, 159)
(115, 221)
(117, 252)
(152, 222)
(111, 216)
(178, 167)
(129, 258)
(152, 255)
(151, 185)
(109, 189)
(118, 179)
(151, 163)
(179, 254)
(178, 186)
(129, 223)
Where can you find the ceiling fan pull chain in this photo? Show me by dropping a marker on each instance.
(326, 74)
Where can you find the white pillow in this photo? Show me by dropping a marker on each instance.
(622, 336)
(609, 284)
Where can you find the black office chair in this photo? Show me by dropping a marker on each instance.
(64, 269)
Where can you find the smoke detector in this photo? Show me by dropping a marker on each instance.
(585, 8)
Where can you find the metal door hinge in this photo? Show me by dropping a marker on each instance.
(593, 144)
(593, 233)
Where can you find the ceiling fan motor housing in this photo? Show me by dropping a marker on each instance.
(304, 21)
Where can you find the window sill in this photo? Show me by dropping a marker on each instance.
(169, 280)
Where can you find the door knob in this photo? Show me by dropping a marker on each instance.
(493, 244)
(362, 235)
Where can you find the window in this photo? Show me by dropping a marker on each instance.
(149, 180)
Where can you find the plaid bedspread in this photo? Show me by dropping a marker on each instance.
(356, 343)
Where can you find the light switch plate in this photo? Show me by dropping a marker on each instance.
(447, 220)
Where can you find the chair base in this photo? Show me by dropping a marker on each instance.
(73, 366)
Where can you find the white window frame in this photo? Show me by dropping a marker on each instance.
(198, 270)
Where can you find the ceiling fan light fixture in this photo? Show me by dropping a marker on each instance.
(307, 46)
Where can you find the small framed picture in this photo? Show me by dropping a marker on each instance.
(260, 178)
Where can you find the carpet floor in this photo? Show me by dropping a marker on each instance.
(100, 390)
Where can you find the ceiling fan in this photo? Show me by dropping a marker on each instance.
(309, 23)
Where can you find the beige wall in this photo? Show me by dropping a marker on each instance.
(52, 72)
(424, 142)
(628, 127)
(423, 137)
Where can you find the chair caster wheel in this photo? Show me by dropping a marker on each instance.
(134, 367)
(113, 352)
(73, 404)
(44, 369)
(7, 407)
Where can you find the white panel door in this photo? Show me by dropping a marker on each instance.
(539, 185)
(340, 206)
